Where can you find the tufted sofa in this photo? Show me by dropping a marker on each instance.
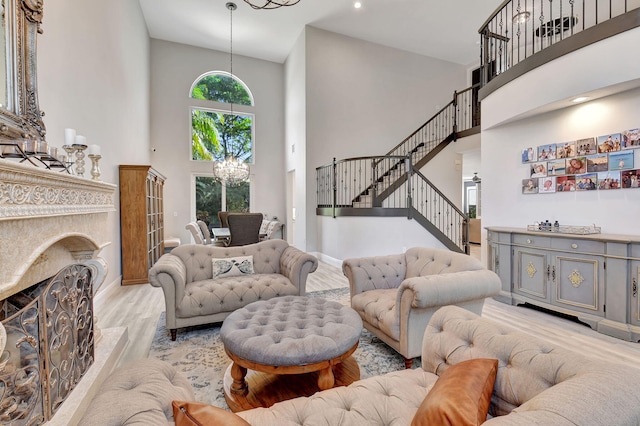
(536, 384)
(192, 296)
(396, 295)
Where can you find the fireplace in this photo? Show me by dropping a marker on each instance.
(52, 228)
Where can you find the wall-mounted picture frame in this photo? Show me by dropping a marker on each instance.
(587, 182)
(622, 160)
(586, 146)
(529, 154)
(547, 152)
(556, 167)
(609, 143)
(566, 150)
(609, 180)
(576, 166)
(630, 139)
(538, 169)
(547, 185)
(530, 186)
(597, 163)
(565, 183)
(630, 178)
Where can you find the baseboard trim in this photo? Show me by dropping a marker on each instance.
(328, 259)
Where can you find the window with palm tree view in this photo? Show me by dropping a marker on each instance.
(219, 133)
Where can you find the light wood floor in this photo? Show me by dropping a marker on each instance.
(138, 307)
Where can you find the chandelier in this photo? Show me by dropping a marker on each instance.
(230, 171)
(271, 4)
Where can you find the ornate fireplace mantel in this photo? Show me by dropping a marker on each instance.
(48, 220)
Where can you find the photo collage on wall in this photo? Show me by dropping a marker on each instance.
(598, 163)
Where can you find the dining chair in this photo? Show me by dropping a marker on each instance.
(222, 217)
(205, 231)
(244, 228)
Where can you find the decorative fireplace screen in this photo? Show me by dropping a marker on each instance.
(50, 345)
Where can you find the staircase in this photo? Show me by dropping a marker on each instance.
(392, 185)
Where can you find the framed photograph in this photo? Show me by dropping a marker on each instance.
(529, 155)
(556, 167)
(529, 186)
(587, 182)
(565, 183)
(609, 180)
(566, 150)
(622, 160)
(630, 178)
(547, 152)
(547, 185)
(576, 166)
(597, 163)
(538, 169)
(586, 146)
(630, 139)
(609, 143)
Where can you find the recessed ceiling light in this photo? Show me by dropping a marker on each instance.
(579, 99)
(357, 5)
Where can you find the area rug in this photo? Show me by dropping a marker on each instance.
(199, 354)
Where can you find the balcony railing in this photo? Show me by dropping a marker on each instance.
(519, 29)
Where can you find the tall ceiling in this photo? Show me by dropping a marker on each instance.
(441, 29)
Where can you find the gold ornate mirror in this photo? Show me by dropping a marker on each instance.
(20, 115)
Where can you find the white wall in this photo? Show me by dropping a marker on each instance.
(93, 75)
(174, 68)
(362, 100)
(295, 145)
(505, 134)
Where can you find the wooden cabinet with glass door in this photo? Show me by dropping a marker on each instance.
(141, 221)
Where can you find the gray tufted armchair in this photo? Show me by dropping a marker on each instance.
(194, 296)
(396, 295)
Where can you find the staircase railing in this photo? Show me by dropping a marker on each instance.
(458, 116)
(415, 198)
(518, 30)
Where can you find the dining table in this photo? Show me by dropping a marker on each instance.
(223, 234)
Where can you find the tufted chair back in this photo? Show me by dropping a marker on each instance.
(196, 232)
(197, 258)
(204, 230)
(423, 261)
(526, 366)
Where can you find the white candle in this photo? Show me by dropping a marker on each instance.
(94, 149)
(80, 140)
(69, 136)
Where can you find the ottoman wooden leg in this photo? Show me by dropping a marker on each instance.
(239, 386)
(326, 380)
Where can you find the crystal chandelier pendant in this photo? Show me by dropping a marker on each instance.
(231, 171)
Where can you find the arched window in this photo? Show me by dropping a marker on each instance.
(219, 132)
(221, 129)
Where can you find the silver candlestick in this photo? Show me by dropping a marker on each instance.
(95, 168)
(79, 158)
(70, 150)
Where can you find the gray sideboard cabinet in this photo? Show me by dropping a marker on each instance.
(592, 277)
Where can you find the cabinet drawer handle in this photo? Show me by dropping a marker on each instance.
(529, 241)
(574, 246)
(635, 288)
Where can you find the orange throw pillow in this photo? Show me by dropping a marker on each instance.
(197, 414)
(461, 396)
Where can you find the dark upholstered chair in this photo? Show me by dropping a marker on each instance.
(244, 228)
(222, 217)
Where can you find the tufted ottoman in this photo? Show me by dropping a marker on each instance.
(288, 335)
